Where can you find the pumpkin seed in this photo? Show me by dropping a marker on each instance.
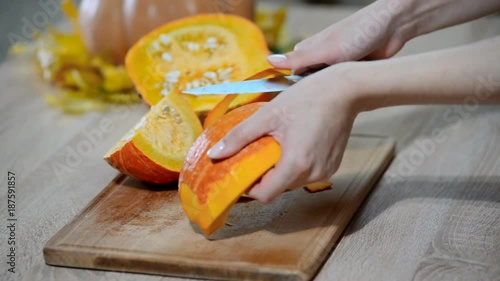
(225, 74)
(166, 56)
(164, 92)
(193, 46)
(210, 75)
(165, 39)
(155, 45)
(211, 43)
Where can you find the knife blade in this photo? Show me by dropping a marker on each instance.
(275, 84)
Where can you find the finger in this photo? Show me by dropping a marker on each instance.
(275, 181)
(297, 59)
(312, 68)
(241, 135)
(265, 192)
(387, 50)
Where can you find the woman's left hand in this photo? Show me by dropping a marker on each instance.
(311, 121)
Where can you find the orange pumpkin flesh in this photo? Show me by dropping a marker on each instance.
(154, 150)
(197, 51)
(318, 186)
(207, 188)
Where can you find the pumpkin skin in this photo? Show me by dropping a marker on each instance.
(102, 29)
(154, 150)
(208, 189)
(197, 51)
(110, 28)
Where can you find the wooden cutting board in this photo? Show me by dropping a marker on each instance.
(134, 227)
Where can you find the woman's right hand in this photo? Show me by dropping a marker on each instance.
(374, 32)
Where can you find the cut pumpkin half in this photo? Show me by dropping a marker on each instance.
(194, 52)
(154, 150)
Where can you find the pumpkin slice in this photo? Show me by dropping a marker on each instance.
(154, 150)
(207, 188)
(197, 51)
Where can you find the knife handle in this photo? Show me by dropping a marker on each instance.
(294, 78)
(297, 78)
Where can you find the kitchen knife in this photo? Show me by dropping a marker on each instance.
(275, 84)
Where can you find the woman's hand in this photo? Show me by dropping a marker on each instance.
(374, 32)
(379, 31)
(311, 121)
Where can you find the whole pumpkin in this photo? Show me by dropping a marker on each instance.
(111, 27)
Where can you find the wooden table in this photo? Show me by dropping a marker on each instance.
(435, 214)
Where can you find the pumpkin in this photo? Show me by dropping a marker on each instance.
(197, 51)
(111, 27)
(154, 150)
(207, 188)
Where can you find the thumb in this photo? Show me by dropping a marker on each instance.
(240, 136)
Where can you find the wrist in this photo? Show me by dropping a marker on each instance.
(403, 23)
(348, 86)
(424, 16)
(359, 85)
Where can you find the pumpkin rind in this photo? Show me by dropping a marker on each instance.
(102, 29)
(132, 162)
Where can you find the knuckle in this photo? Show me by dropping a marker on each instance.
(237, 134)
(300, 46)
(332, 167)
(319, 175)
(335, 167)
(297, 61)
(301, 165)
(324, 172)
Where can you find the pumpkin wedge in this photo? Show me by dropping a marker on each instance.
(197, 51)
(154, 150)
(207, 188)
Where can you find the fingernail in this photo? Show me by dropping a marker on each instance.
(216, 149)
(276, 58)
